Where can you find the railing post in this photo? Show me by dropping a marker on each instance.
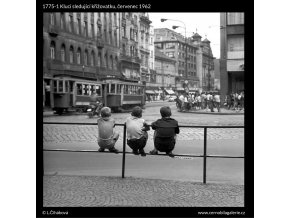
(204, 155)
(124, 152)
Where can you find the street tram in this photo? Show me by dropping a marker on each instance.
(75, 94)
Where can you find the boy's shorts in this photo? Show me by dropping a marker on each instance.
(110, 142)
(136, 144)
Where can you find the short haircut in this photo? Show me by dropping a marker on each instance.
(165, 111)
(105, 112)
(137, 112)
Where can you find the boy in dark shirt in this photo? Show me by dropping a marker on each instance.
(166, 129)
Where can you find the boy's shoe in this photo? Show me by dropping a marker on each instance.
(142, 152)
(153, 152)
(101, 150)
(170, 154)
(135, 152)
(114, 150)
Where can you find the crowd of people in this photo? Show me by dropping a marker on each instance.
(164, 137)
(209, 101)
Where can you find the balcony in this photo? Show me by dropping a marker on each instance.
(53, 30)
(130, 58)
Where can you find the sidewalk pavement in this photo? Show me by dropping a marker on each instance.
(101, 191)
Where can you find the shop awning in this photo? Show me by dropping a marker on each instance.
(149, 92)
(158, 91)
(180, 89)
(169, 91)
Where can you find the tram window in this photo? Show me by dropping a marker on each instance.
(86, 89)
(66, 86)
(71, 86)
(126, 91)
(60, 86)
(113, 89)
(118, 89)
(54, 85)
(98, 90)
(79, 89)
(93, 89)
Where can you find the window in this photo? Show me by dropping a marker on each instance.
(93, 30)
(105, 34)
(116, 64)
(158, 45)
(235, 18)
(106, 61)
(60, 86)
(124, 31)
(124, 49)
(79, 26)
(86, 89)
(99, 59)
(62, 20)
(115, 19)
(170, 54)
(52, 50)
(111, 62)
(51, 18)
(62, 53)
(79, 89)
(170, 45)
(92, 58)
(86, 28)
(86, 58)
(71, 23)
(71, 55)
(79, 56)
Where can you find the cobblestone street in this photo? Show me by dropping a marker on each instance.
(86, 191)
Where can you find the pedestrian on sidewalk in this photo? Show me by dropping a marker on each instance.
(137, 128)
(107, 137)
(166, 129)
(217, 101)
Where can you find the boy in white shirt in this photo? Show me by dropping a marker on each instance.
(137, 128)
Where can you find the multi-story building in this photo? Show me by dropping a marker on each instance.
(232, 52)
(208, 75)
(189, 54)
(165, 72)
(91, 46)
(144, 47)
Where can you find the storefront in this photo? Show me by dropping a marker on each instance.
(150, 95)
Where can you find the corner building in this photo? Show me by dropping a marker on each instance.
(90, 46)
(232, 53)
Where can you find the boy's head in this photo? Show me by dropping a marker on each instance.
(137, 112)
(165, 111)
(105, 112)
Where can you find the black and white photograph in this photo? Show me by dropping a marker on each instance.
(142, 109)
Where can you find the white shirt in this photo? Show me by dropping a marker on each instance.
(181, 97)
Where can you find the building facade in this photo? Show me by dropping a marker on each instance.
(208, 68)
(232, 53)
(165, 73)
(92, 46)
(193, 57)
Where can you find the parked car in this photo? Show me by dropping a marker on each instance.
(172, 98)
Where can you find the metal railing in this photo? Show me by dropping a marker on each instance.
(204, 156)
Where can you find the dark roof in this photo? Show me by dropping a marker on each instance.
(196, 35)
(206, 40)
